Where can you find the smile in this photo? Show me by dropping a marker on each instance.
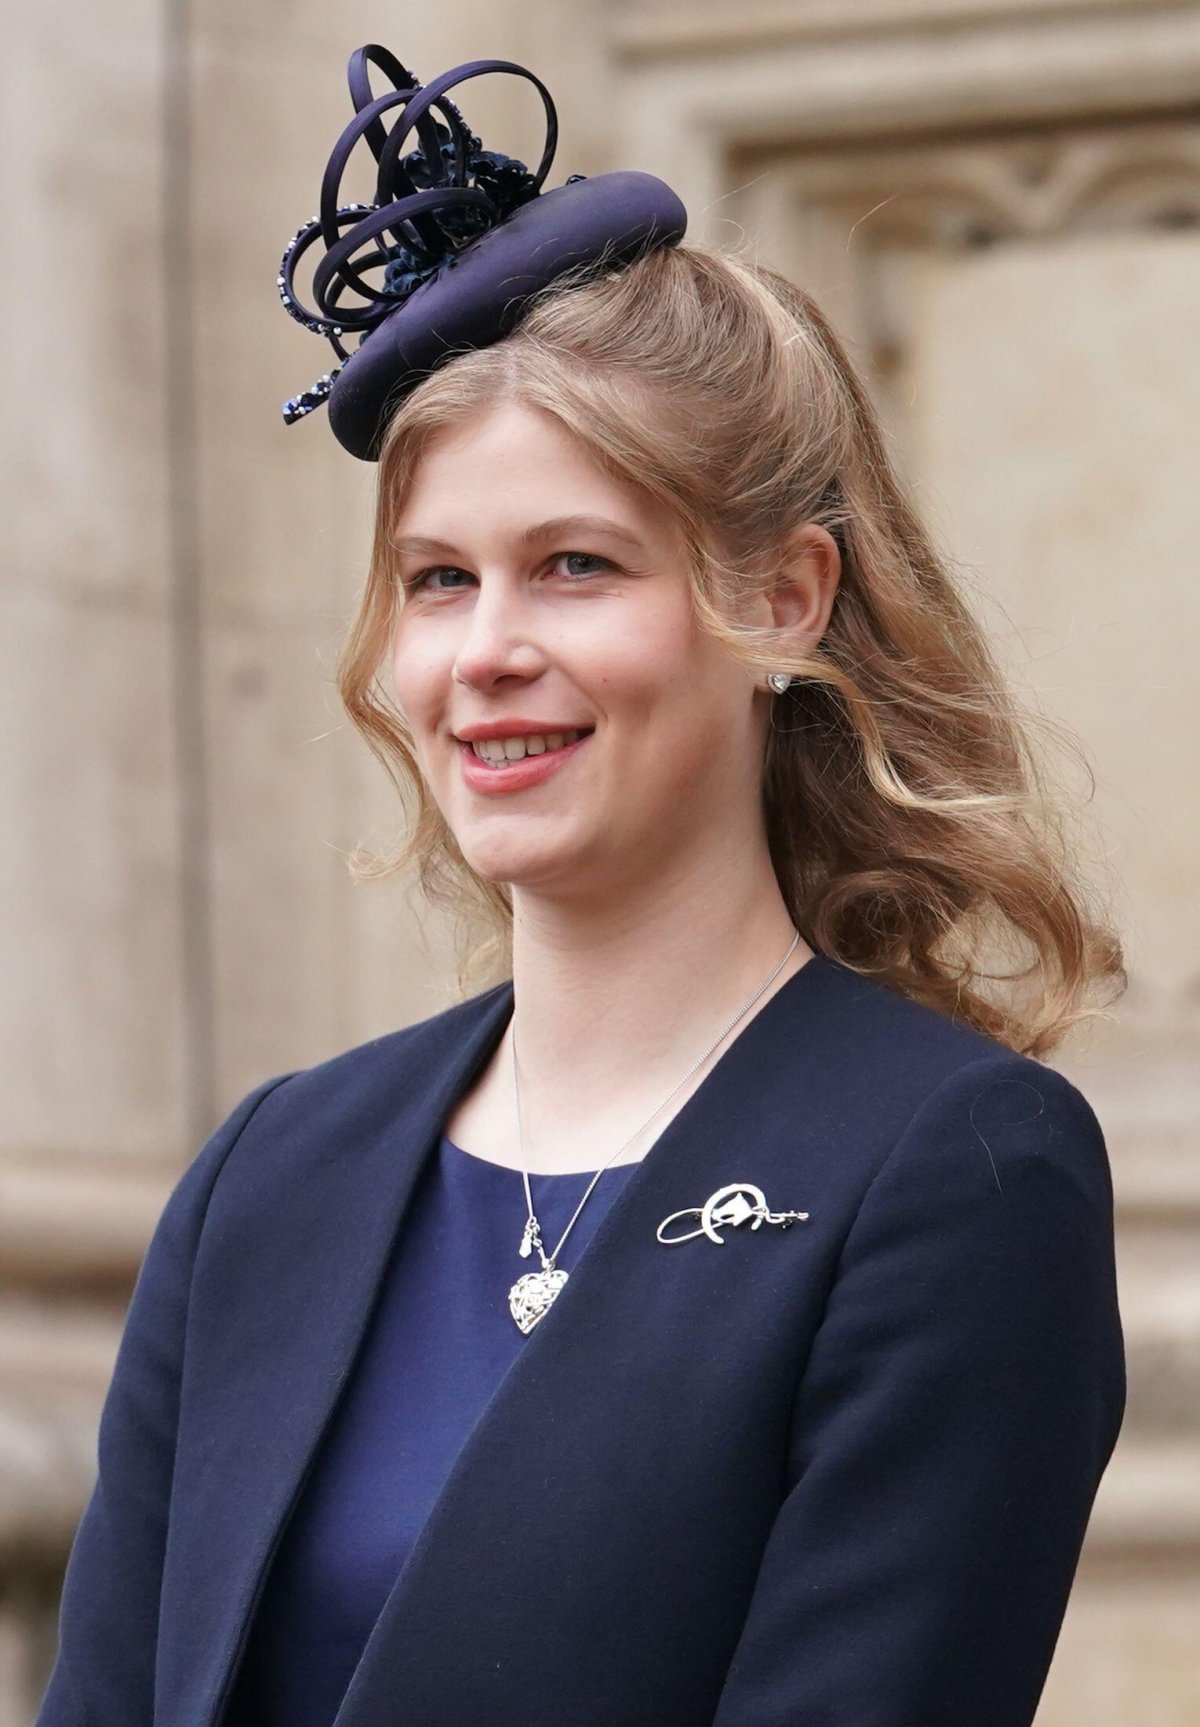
(498, 751)
(499, 765)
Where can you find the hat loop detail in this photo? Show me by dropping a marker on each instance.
(430, 202)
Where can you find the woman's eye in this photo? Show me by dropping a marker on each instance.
(422, 578)
(578, 566)
(577, 558)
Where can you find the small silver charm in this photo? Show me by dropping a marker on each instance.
(727, 1208)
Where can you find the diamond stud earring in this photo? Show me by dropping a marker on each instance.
(779, 681)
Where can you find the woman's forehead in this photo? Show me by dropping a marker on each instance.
(522, 471)
(507, 433)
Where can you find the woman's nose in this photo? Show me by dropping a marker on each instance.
(497, 641)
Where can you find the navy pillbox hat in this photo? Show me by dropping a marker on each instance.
(454, 247)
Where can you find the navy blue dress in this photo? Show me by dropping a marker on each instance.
(439, 1343)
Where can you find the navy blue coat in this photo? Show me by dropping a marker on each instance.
(835, 1474)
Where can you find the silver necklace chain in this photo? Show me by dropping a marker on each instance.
(533, 1235)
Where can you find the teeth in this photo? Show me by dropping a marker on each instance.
(497, 751)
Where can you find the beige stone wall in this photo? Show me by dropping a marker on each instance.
(1000, 206)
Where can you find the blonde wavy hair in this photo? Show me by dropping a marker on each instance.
(911, 825)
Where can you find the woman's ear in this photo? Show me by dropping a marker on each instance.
(802, 589)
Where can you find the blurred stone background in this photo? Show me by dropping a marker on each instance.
(998, 201)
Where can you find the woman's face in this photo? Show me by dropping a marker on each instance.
(542, 597)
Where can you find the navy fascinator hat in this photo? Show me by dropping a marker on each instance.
(454, 247)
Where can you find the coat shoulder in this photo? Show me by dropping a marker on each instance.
(872, 1039)
(958, 1103)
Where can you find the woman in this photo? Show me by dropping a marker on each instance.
(808, 1423)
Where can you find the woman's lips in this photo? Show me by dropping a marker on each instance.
(515, 776)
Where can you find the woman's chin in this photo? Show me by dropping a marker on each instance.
(522, 865)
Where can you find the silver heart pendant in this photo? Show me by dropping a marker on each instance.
(531, 1296)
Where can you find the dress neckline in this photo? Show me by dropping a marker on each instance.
(534, 1175)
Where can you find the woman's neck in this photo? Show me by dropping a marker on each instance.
(613, 1006)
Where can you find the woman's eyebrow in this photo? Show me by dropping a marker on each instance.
(420, 545)
(579, 525)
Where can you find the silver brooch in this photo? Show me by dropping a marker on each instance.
(726, 1208)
